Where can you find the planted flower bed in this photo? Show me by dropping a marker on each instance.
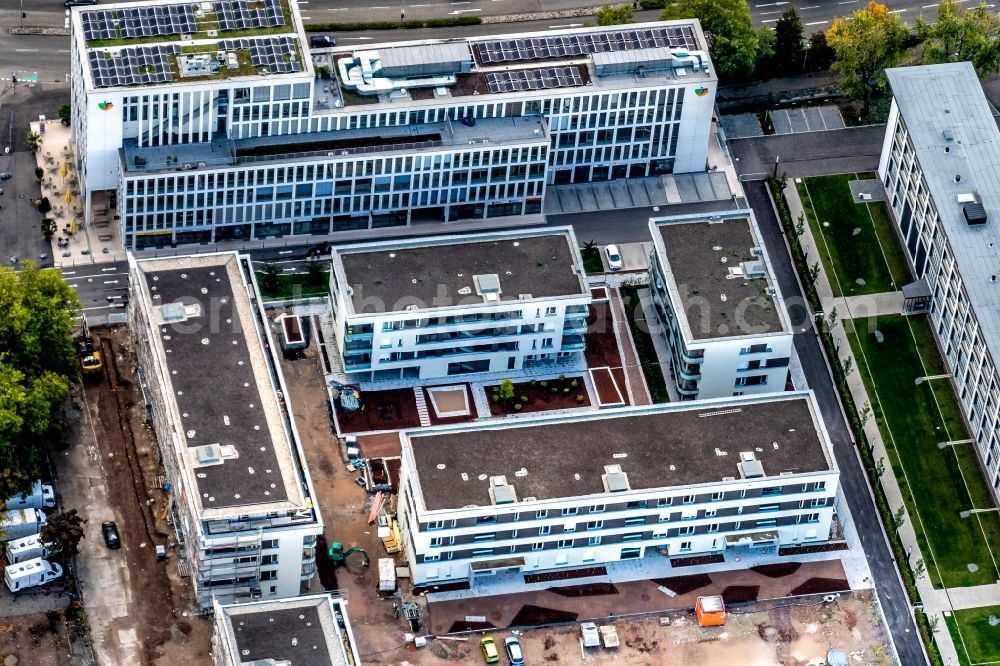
(537, 395)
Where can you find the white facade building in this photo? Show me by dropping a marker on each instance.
(719, 306)
(939, 169)
(190, 136)
(458, 305)
(679, 479)
(305, 631)
(242, 503)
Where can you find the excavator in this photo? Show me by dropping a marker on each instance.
(90, 359)
(339, 556)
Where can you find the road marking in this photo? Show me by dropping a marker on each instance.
(26, 50)
(63, 51)
(778, 11)
(69, 272)
(464, 11)
(802, 9)
(847, 2)
(896, 11)
(461, 2)
(381, 7)
(336, 9)
(356, 37)
(111, 282)
(771, 4)
(817, 23)
(567, 25)
(772, 21)
(427, 5)
(105, 270)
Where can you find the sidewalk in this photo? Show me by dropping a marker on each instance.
(659, 342)
(934, 601)
(638, 391)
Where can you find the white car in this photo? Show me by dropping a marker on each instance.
(614, 257)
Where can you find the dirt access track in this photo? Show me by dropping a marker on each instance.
(140, 610)
(787, 632)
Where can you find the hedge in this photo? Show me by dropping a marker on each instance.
(653, 4)
(857, 429)
(394, 25)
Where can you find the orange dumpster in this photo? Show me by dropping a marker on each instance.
(711, 611)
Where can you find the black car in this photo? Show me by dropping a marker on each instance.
(322, 41)
(79, 3)
(111, 538)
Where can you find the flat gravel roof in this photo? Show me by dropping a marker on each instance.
(393, 277)
(302, 632)
(700, 255)
(660, 447)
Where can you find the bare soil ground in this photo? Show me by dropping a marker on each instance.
(788, 633)
(161, 612)
(344, 508)
(35, 640)
(393, 409)
(553, 395)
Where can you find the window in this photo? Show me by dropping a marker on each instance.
(435, 525)
(755, 349)
(769, 507)
(689, 499)
(597, 508)
(564, 543)
(269, 543)
(569, 527)
(714, 527)
(486, 520)
(543, 530)
(770, 522)
(632, 536)
(595, 524)
(819, 501)
(812, 518)
(550, 312)
(436, 542)
(541, 513)
(686, 530)
(664, 501)
(636, 504)
(768, 492)
(630, 553)
(482, 552)
(538, 545)
(685, 546)
(716, 497)
(488, 536)
(432, 558)
(710, 513)
(634, 521)
(569, 511)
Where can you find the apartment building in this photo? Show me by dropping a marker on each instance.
(241, 501)
(305, 631)
(459, 305)
(565, 491)
(939, 168)
(203, 122)
(718, 305)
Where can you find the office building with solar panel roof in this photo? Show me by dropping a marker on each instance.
(209, 122)
(240, 498)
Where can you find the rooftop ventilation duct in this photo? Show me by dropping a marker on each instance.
(615, 480)
(750, 467)
(501, 492)
(488, 286)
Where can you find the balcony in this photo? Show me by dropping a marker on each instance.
(572, 342)
(308, 556)
(308, 571)
(575, 325)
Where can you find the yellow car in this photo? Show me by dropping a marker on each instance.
(489, 648)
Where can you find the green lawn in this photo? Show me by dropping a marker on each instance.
(937, 483)
(856, 240)
(644, 345)
(975, 640)
(296, 285)
(591, 256)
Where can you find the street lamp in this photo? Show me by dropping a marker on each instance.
(969, 512)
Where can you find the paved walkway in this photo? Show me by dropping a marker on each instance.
(659, 341)
(935, 601)
(638, 391)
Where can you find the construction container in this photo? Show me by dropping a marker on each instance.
(609, 635)
(386, 574)
(590, 635)
(711, 611)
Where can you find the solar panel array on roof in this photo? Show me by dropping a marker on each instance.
(153, 21)
(98, 25)
(278, 54)
(535, 48)
(132, 66)
(239, 15)
(534, 79)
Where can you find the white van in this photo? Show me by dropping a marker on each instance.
(42, 496)
(21, 523)
(30, 574)
(27, 548)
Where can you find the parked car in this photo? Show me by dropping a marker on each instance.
(322, 41)
(79, 3)
(615, 262)
(4, 175)
(514, 652)
(110, 532)
(489, 648)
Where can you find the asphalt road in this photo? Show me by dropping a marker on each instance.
(897, 611)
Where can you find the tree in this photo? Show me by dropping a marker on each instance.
(33, 139)
(814, 272)
(65, 114)
(733, 42)
(864, 44)
(788, 47)
(39, 172)
(819, 56)
(48, 227)
(271, 281)
(315, 275)
(615, 15)
(899, 518)
(63, 533)
(44, 206)
(962, 34)
(36, 362)
(506, 391)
